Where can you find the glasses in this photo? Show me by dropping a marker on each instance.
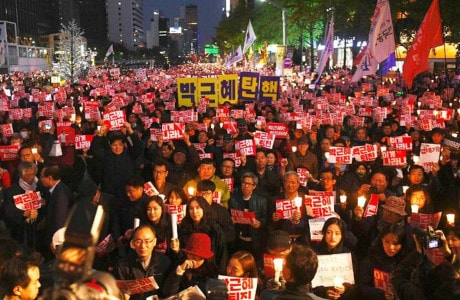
(140, 242)
(247, 183)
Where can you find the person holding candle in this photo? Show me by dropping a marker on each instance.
(156, 216)
(303, 158)
(299, 269)
(333, 242)
(200, 219)
(418, 195)
(385, 254)
(194, 265)
(144, 262)
(297, 226)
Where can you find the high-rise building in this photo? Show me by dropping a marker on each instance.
(152, 34)
(93, 21)
(69, 10)
(125, 23)
(191, 34)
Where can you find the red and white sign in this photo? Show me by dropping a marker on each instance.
(341, 155)
(28, 201)
(230, 182)
(6, 129)
(115, 120)
(107, 245)
(246, 147)
(137, 286)
(240, 288)
(302, 172)
(429, 155)
(9, 152)
(150, 190)
(280, 130)
(83, 141)
(180, 210)
(382, 281)
(285, 208)
(394, 158)
(319, 206)
(264, 139)
(424, 220)
(372, 206)
(243, 217)
(366, 152)
(403, 142)
(173, 131)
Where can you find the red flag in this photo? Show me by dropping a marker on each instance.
(428, 36)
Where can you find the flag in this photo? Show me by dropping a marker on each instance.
(109, 51)
(249, 38)
(428, 36)
(381, 42)
(367, 65)
(381, 35)
(386, 65)
(236, 57)
(328, 49)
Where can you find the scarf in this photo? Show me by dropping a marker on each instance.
(28, 187)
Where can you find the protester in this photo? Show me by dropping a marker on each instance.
(20, 279)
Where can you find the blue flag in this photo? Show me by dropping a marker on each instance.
(387, 64)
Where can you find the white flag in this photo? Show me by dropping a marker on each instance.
(250, 37)
(237, 56)
(2, 53)
(328, 49)
(381, 42)
(381, 35)
(109, 51)
(366, 65)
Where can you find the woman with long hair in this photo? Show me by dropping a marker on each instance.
(156, 216)
(243, 264)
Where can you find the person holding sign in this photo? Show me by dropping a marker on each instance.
(22, 223)
(284, 213)
(194, 266)
(384, 256)
(143, 262)
(299, 269)
(250, 236)
(242, 264)
(334, 233)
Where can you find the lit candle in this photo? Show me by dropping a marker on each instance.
(414, 208)
(338, 282)
(343, 198)
(383, 148)
(174, 225)
(405, 187)
(294, 148)
(34, 150)
(326, 155)
(72, 117)
(298, 202)
(450, 219)
(212, 126)
(361, 201)
(221, 125)
(99, 128)
(454, 134)
(415, 159)
(191, 190)
(137, 222)
(278, 266)
(81, 108)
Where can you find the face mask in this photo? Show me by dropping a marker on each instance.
(24, 134)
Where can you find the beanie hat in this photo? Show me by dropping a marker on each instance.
(279, 239)
(199, 244)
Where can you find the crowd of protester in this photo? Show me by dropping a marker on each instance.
(113, 170)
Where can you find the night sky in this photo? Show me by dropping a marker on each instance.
(209, 14)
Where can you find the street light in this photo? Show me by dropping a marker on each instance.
(283, 17)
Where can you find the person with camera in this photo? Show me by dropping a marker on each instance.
(418, 277)
(143, 262)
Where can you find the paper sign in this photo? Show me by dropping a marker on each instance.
(269, 270)
(115, 120)
(365, 153)
(429, 155)
(316, 228)
(394, 158)
(240, 287)
(280, 130)
(333, 265)
(243, 217)
(424, 220)
(285, 208)
(264, 139)
(372, 206)
(28, 201)
(319, 206)
(382, 281)
(9, 152)
(150, 190)
(107, 245)
(341, 155)
(246, 147)
(137, 286)
(83, 141)
(173, 131)
(179, 210)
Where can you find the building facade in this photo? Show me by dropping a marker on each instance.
(125, 23)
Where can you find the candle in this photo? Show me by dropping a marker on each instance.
(414, 208)
(34, 150)
(415, 159)
(72, 117)
(137, 222)
(338, 282)
(212, 126)
(221, 125)
(326, 155)
(174, 225)
(454, 134)
(405, 187)
(383, 148)
(343, 198)
(450, 219)
(298, 202)
(191, 190)
(294, 148)
(98, 128)
(278, 266)
(361, 201)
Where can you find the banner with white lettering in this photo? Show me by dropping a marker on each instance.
(240, 287)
